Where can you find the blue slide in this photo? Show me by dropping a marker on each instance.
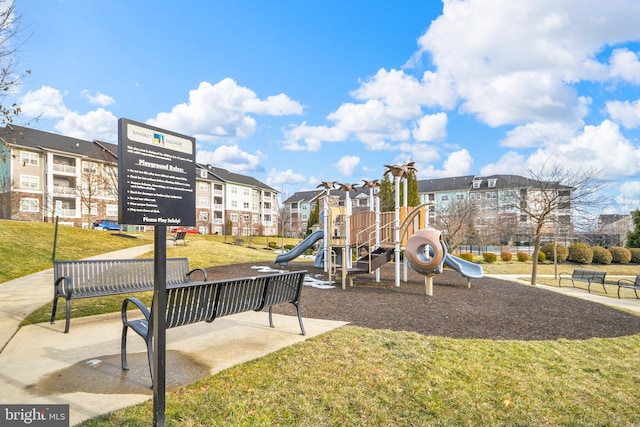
(465, 268)
(284, 258)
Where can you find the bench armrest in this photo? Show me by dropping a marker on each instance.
(137, 303)
(626, 282)
(62, 288)
(201, 270)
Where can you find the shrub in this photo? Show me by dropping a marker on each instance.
(272, 245)
(467, 256)
(562, 251)
(522, 256)
(505, 256)
(580, 253)
(601, 255)
(635, 255)
(541, 257)
(620, 255)
(489, 257)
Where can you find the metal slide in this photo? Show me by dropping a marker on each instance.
(465, 268)
(284, 258)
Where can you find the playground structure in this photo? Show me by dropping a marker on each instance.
(379, 237)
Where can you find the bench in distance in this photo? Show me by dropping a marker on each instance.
(586, 276)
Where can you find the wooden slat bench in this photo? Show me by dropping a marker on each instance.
(206, 301)
(95, 278)
(629, 284)
(586, 276)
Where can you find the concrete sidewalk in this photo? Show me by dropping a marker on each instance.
(42, 365)
(624, 303)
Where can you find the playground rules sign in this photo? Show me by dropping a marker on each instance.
(156, 176)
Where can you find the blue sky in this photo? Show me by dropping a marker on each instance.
(298, 92)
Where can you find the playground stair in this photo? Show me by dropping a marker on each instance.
(367, 264)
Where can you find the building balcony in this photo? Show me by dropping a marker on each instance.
(66, 169)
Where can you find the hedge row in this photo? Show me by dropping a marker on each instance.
(576, 252)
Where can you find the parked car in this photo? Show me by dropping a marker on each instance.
(188, 230)
(105, 224)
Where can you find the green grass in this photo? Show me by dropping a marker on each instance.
(362, 377)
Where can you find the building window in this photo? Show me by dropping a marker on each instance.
(492, 195)
(203, 216)
(29, 205)
(234, 203)
(203, 186)
(245, 205)
(246, 218)
(203, 202)
(234, 189)
(492, 183)
(234, 217)
(459, 196)
(28, 181)
(444, 198)
(476, 183)
(203, 173)
(112, 210)
(94, 209)
(246, 192)
(27, 158)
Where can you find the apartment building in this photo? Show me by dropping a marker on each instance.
(494, 199)
(497, 202)
(45, 175)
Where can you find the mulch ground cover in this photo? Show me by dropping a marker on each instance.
(491, 309)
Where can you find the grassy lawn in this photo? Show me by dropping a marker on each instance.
(362, 377)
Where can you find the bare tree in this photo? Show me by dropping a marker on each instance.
(554, 199)
(10, 79)
(91, 187)
(457, 222)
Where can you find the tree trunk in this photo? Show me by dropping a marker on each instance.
(534, 268)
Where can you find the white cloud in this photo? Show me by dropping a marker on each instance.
(277, 178)
(625, 64)
(347, 164)
(625, 112)
(514, 62)
(601, 147)
(312, 136)
(535, 134)
(457, 163)
(630, 189)
(511, 163)
(99, 124)
(45, 102)
(223, 110)
(431, 128)
(98, 99)
(230, 157)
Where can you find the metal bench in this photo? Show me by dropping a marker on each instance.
(180, 235)
(586, 276)
(206, 301)
(95, 278)
(629, 284)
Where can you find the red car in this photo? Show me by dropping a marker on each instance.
(188, 230)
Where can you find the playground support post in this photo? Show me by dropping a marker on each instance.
(396, 231)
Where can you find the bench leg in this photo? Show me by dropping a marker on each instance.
(297, 306)
(54, 309)
(68, 316)
(123, 348)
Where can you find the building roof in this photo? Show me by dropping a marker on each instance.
(230, 177)
(303, 196)
(463, 183)
(46, 141)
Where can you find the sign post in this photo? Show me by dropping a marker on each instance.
(156, 186)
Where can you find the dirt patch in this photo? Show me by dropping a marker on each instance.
(490, 309)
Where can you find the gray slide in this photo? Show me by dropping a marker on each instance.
(465, 268)
(283, 259)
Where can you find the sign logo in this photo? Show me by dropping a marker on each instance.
(34, 415)
(158, 138)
